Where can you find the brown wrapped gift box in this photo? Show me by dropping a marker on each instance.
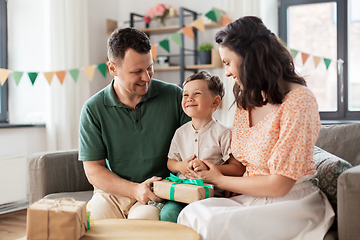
(185, 193)
(56, 219)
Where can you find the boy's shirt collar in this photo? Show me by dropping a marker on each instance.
(205, 128)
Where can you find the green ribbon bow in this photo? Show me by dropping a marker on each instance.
(196, 181)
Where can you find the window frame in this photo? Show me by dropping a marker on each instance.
(3, 60)
(342, 112)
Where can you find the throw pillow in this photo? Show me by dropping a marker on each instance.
(329, 167)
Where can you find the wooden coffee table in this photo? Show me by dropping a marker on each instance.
(138, 229)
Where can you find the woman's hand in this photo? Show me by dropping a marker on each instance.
(213, 175)
(198, 165)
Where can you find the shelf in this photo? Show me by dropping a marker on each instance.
(170, 68)
(215, 58)
(215, 62)
(173, 28)
(190, 67)
(201, 66)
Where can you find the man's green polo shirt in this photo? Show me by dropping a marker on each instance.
(135, 142)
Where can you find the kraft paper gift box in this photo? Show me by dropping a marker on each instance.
(56, 219)
(181, 192)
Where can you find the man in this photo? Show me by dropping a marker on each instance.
(126, 130)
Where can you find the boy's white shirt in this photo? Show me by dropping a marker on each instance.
(212, 142)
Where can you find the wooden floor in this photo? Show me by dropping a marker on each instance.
(13, 225)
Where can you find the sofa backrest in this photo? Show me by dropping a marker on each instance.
(342, 140)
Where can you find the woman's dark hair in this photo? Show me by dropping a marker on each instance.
(266, 62)
(124, 38)
(215, 85)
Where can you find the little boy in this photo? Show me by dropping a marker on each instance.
(201, 138)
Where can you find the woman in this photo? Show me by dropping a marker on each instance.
(274, 132)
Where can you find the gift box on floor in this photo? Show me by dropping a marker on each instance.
(56, 219)
(182, 190)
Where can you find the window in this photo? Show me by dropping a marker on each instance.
(324, 38)
(3, 60)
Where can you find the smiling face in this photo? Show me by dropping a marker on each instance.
(133, 74)
(232, 63)
(198, 101)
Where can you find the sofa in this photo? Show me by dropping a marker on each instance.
(337, 157)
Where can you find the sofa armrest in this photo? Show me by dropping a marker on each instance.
(54, 172)
(348, 204)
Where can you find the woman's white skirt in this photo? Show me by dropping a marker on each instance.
(304, 213)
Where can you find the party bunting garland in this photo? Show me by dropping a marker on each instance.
(74, 73)
(17, 75)
(49, 76)
(33, 76)
(102, 68)
(305, 57)
(4, 74)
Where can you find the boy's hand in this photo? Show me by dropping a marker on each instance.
(198, 165)
(184, 170)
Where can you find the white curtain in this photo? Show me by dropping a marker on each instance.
(267, 11)
(66, 44)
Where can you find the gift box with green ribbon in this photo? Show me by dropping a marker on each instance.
(183, 190)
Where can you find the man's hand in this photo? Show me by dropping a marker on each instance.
(143, 191)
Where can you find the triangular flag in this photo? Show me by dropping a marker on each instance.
(316, 60)
(33, 76)
(49, 76)
(176, 37)
(154, 52)
(225, 21)
(74, 73)
(17, 76)
(61, 76)
(102, 68)
(304, 57)
(327, 62)
(293, 52)
(211, 15)
(199, 24)
(165, 45)
(188, 31)
(89, 71)
(4, 74)
(218, 13)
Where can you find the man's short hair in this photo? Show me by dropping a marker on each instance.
(215, 85)
(124, 38)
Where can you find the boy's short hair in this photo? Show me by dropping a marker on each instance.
(124, 38)
(214, 83)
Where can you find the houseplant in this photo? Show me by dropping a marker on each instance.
(205, 52)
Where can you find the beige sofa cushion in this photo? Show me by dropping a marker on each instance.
(341, 140)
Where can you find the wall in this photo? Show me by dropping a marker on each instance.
(22, 141)
(26, 102)
(99, 11)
